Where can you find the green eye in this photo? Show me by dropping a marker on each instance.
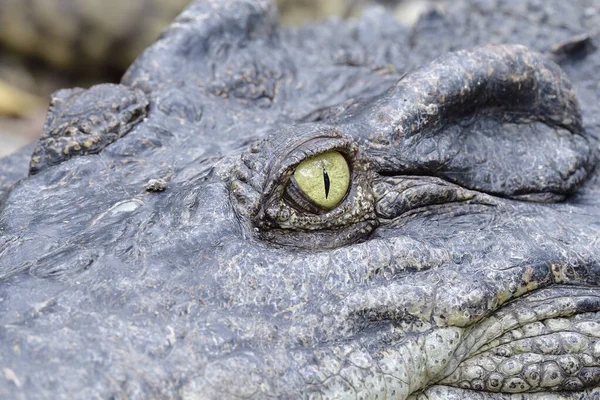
(324, 178)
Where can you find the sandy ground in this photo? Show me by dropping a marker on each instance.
(24, 96)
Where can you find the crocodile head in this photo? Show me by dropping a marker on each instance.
(255, 213)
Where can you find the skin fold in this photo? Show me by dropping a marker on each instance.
(463, 261)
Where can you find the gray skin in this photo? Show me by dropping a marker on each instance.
(167, 262)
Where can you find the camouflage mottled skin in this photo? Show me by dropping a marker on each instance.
(81, 122)
(463, 263)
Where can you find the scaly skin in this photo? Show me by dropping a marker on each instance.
(464, 261)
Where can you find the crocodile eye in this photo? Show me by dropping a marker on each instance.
(324, 179)
(316, 192)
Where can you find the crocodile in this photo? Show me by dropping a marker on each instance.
(348, 209)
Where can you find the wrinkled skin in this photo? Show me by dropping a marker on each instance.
(463, 263)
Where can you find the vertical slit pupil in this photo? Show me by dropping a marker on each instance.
(326, 181)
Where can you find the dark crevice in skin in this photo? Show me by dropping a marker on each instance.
(394, 173)
(444, 210)
(564, 184)
(536, 197)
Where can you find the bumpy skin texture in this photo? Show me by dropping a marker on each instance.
(81, 122)
(463, 263)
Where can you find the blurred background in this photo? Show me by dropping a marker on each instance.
(46, 45)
